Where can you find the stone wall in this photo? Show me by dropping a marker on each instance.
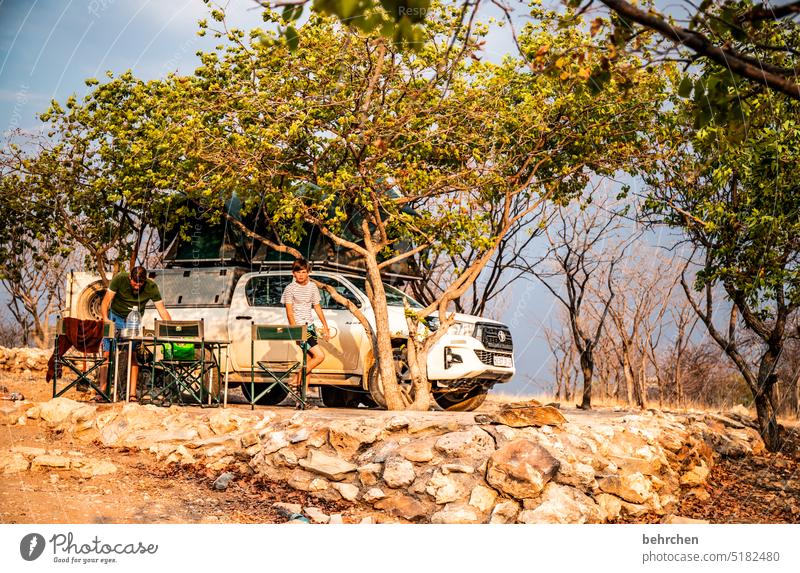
(429, 467)
(24, 359)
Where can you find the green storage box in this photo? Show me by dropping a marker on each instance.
(179, 351)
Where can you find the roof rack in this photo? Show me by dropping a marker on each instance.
(324, 265)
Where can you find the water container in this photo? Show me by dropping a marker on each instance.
(133, 323)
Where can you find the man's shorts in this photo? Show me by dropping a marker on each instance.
(311, 341)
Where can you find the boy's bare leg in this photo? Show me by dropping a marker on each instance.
(315, 358)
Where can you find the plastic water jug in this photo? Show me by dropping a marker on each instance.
(133, 323)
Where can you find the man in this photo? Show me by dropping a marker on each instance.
(126, 291)
(300, 297)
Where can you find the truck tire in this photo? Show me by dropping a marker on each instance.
(336, 397)
(272, 398)
(375, 384)
(89, 300)
(465, 401)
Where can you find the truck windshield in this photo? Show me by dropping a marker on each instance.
(394, 297)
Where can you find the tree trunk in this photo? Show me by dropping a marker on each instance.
(767, 423)
(629, 380)
(384, 356)
(587, 369)
(765, 408)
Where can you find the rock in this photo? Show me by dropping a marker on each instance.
(286, 458)
(398, 472)
(29, 452)
(331, 467)
(316, 515)
(680, 520)
(397, 423)
(367, 520)
(336, 519)
(698, 475)
(223, 421)
(373, 494)
(740, 410)
(419, 451)
(482, 498)
(505, 512)
(634, 487)
(610, 506)
(348, 491)
(59, 410)
(472, 443)
(50, 461)
(456, 513)
(347, 436)
(457, 469)
(515, 416)
(521, 468)
(275, 442)
(699, 493)
(378, 453)
(180, 456)
(445, 488)
(576, 474)
(368, 474)
(300, 435)
(92, 468)
(249, 439)
(562, 504)
(13, 463)
(222, 482)
(404, 506)
(305, 481)
(287, 509)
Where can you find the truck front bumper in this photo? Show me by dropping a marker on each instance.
(459, 357)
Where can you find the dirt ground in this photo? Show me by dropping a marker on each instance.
(757, 489)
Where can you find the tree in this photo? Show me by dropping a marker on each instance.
(377, 148)
(734, 194)
(33, 259)
(577, 266)
(752, 40)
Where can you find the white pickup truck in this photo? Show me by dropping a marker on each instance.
(463, 366)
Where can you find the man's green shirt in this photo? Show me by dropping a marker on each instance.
(126, 299)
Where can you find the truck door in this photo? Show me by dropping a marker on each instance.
(258, 300)
(343, 351)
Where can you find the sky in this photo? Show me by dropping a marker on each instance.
(48, 48)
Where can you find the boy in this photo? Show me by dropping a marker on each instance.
(300, 296)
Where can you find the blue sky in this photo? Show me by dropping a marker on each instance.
(48, 48)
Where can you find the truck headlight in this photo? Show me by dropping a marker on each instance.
(460, 329)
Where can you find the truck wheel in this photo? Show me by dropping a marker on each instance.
(335, 397)
(89, 301)
(375, 384)
(272, 398)
(464, 401)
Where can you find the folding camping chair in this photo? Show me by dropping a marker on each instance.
(180, 364)
(278, 372)
(87, 366)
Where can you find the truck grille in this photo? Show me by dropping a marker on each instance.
(488, 357)
(496, 337)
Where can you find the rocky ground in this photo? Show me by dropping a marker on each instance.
(71, 462)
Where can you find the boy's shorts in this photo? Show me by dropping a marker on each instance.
(311, 341)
